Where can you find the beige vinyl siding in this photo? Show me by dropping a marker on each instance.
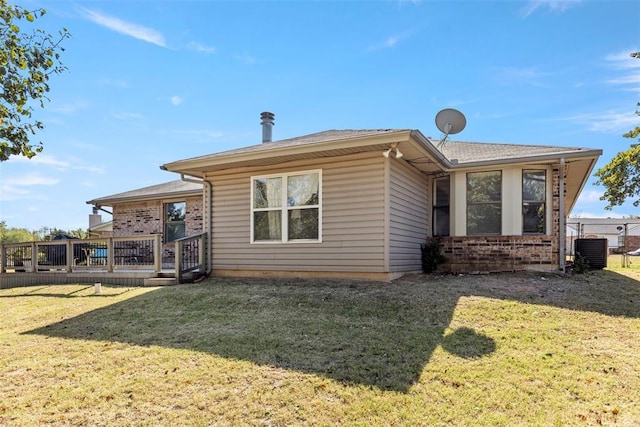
(409, 216)
(352, 238)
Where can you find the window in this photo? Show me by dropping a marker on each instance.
(534, 190)
(286, 207)
(174, 221)
(484, 203)
(441, 191)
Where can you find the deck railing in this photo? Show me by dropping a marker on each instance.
(107, 254)
(190, 256)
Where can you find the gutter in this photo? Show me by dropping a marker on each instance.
(534, 159)
(208, 211)
(98, 207)
(110, 202)
(561, 220)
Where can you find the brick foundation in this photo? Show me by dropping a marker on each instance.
(499, 253)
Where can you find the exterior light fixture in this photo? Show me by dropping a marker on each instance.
(386, 153)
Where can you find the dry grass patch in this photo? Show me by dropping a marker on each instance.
(512, 349)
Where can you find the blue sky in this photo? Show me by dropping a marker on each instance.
(150, 82)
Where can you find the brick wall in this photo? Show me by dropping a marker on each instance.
(498, 253)
(130, 219)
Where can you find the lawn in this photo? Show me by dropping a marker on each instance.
(507, 349)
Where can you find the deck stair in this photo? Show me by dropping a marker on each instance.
(163, 279)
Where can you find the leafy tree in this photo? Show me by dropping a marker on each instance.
(47, 233)
(27, 59)
(15, 235)
(20, 235)
(621, 176)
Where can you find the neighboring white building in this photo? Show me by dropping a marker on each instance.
(612, 229)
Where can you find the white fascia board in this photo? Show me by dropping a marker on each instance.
(202, 163)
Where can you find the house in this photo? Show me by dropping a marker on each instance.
(362, 202)
(622, 234)
(172, 209)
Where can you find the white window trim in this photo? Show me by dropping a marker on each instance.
(546, 200)
(284, 208)
(165, 202)
(502, 203)
(511, 205)
(434, 205)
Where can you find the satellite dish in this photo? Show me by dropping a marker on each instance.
(449, 121)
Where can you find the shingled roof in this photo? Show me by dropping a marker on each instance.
(313, 138)
(425, 153)
(176, 188)
(465, 152)
(450, 155)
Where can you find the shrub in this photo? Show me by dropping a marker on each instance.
(432, 254)
(580, 264)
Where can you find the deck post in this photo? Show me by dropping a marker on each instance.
(201, 251)
(3, 258)
(34, 257)
(178, 259)
(110, 254)
(69, 256)
(157, 249)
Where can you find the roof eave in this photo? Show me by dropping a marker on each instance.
(595, 153)
(111, 201)
(431, 149)
(569, 208)
(193, 166)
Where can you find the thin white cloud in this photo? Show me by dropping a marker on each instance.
(520, 75)
(92, 169)
(590, 196)
(246, 58)
(198, 47)
(119, 83)
(42, 159)
(623, 59)
(628, 68)
(11, 192)
(33, 179)
(61, 165)
(197, 136)
(131, 29)
(69, 108)
(554, 6)
(126, 116)
(390, 42)
(176, 100)
(12, 188)
(606, 122)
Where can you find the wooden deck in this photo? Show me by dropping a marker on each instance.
(121, 278)
(124, 261)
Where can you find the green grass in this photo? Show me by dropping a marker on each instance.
(510, 349)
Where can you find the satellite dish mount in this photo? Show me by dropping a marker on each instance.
(449, 122)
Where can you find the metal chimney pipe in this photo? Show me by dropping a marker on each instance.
(267, 125)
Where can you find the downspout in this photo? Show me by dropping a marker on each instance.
(207, 215)
(561, 225)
